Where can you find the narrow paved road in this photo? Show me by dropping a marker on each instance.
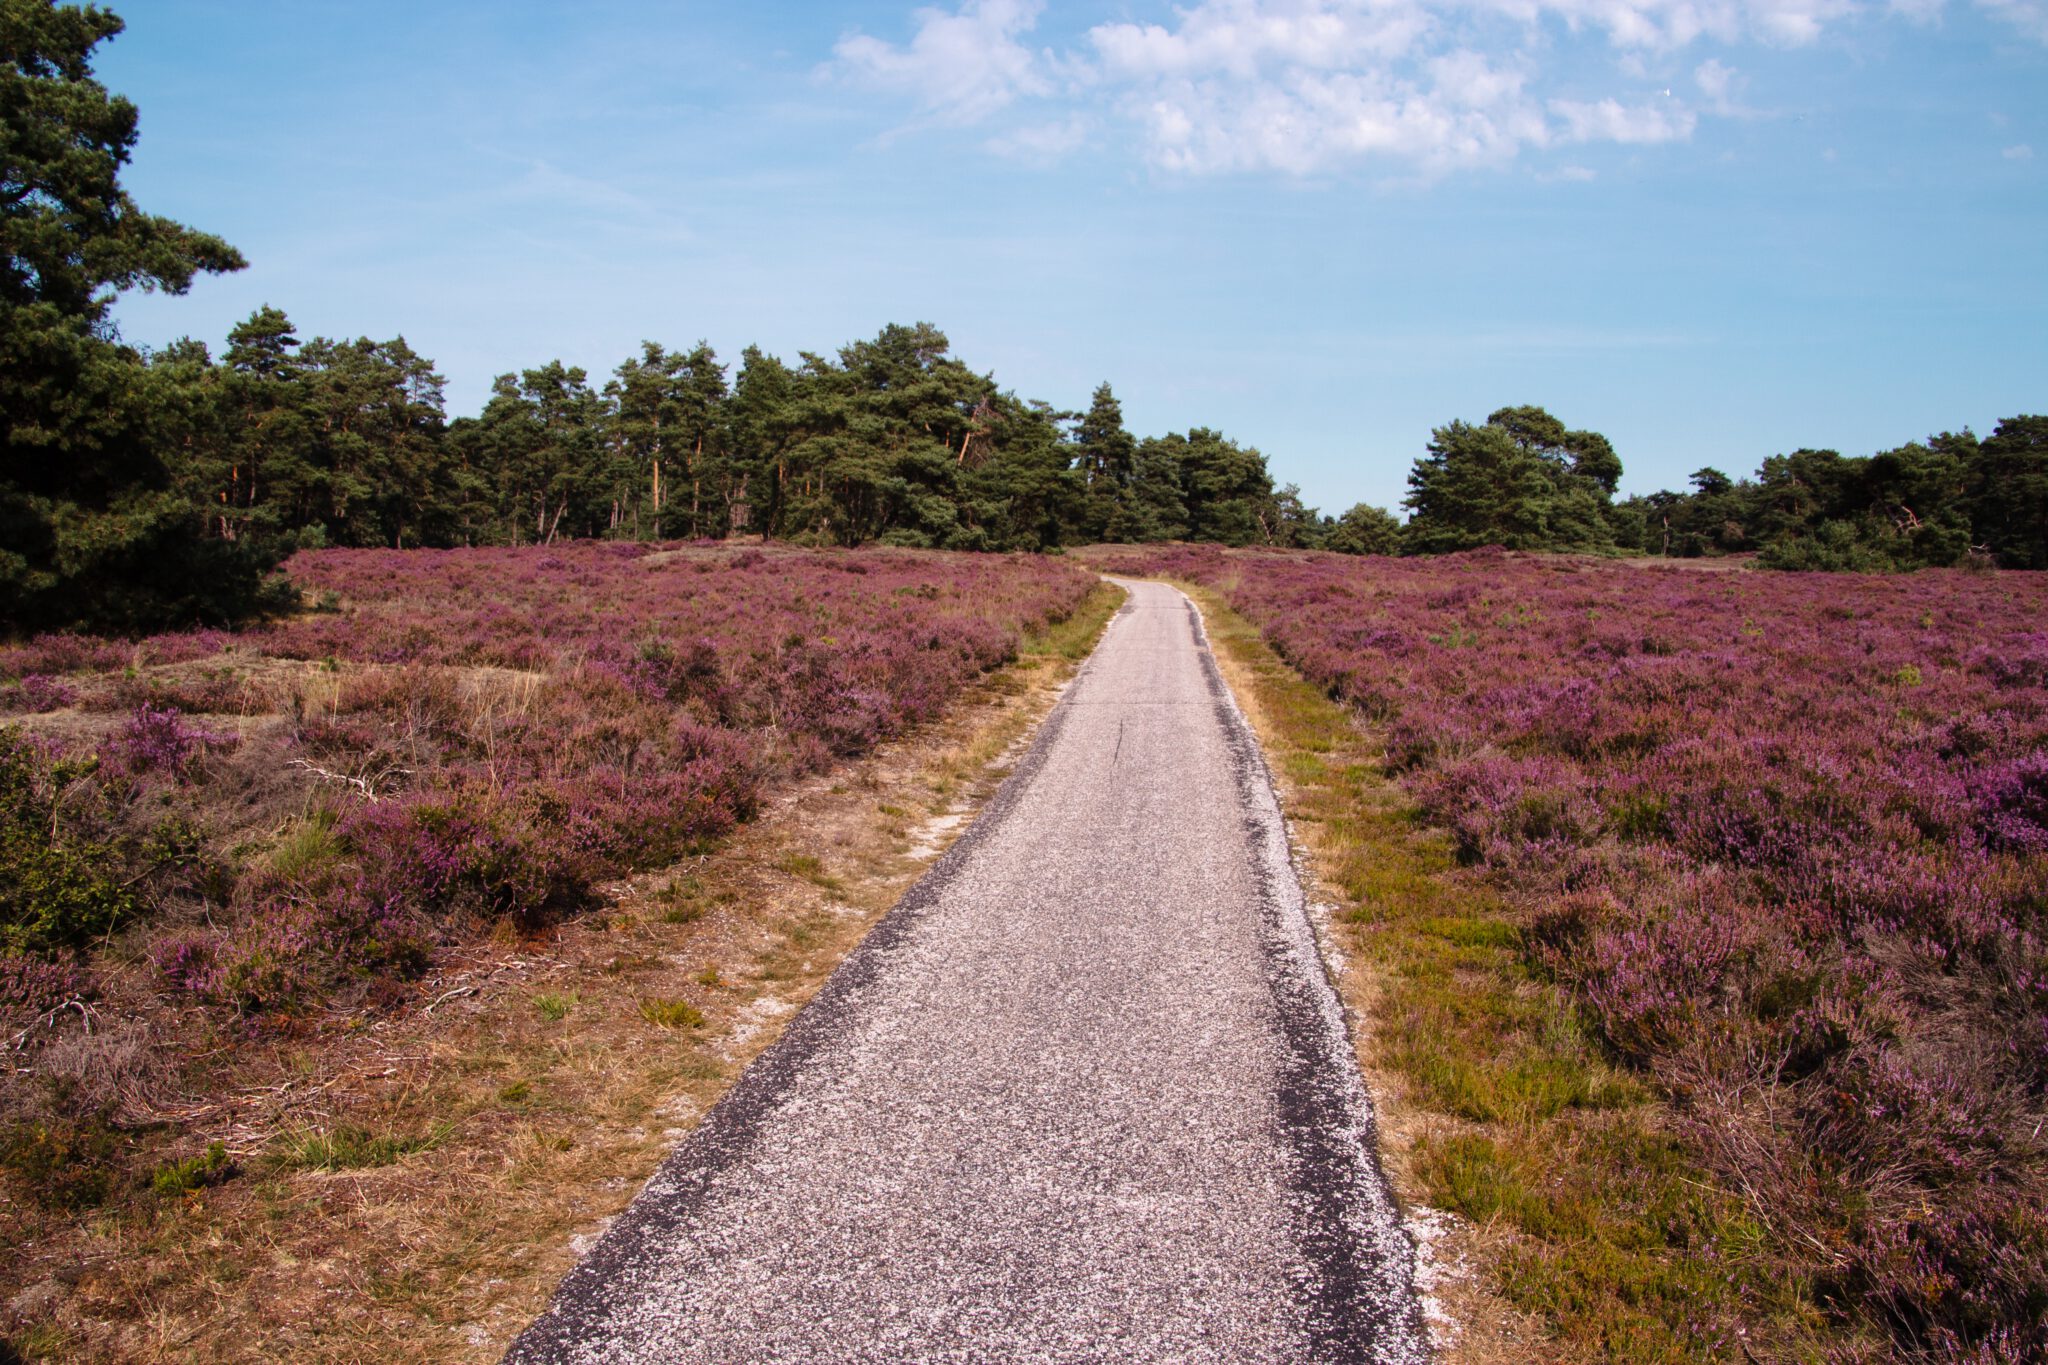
(1085, 1095)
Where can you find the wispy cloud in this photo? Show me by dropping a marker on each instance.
(962, 66)
(1246, 38)
(1629, 124)
(1043, 142)
(1715, 80)
(2029, 16)
(1306, 87)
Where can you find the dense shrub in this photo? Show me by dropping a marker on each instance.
(472, 737)
(55, 889)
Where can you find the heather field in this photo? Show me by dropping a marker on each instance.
(1782, 840)
(264, 829)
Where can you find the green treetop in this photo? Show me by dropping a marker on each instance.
(91, 528)
(1522, 480)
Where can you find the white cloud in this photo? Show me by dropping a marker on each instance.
(1307, 87)
(1318, 121)
(1468, 79)
(2020, 152)
(1244, 37)
(1667, 25)
(1714, 79)
(961, 66)
(1721, 86)
(1612, 121)
(1792, 23)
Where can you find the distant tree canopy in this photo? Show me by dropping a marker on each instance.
(1525, 481)
(890, 440)
(1925, 504)
(894, 440)
(1366, 530)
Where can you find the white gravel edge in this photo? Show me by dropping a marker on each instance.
(1376, 1216)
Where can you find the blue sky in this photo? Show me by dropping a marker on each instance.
(1713, 229)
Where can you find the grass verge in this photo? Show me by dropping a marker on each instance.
(1592, 1233)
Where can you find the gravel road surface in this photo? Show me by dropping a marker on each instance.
(1084, 1095)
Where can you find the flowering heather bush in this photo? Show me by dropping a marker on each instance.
(848, 647)
(158, 739)
(38, 693)
(1785, 839)
(291, 938)
(63, 654)
(489, 735)
(30, 985)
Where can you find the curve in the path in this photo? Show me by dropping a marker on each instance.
(1084, 1094)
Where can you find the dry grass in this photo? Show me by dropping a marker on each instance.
(1566, 1223)
(409, 1185)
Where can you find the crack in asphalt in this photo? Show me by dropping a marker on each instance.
(1086, 1093)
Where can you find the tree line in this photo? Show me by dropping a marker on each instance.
(139, 490)
(1951, 499)
(891, 440)
(1523, 480)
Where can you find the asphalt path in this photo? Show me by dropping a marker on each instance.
(1085, 1094)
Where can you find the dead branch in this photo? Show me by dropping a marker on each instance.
(49, 1019)
(446, 996)
(365, 785)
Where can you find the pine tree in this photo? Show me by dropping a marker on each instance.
(93, 527)
(1521, 480)
(1106, 458)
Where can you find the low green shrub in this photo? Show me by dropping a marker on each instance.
(671, 1013)
(64, 1163)
(54, 889)
(193, 1173)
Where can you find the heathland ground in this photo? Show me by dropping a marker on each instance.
(1691, 922)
